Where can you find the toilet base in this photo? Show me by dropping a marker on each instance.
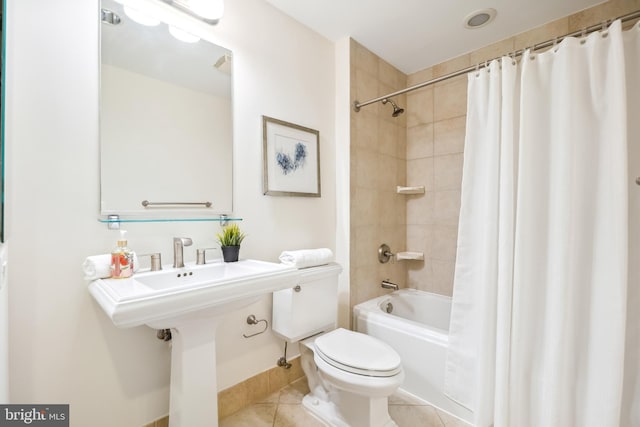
(328, 413)
(336, 407)
(323, 410)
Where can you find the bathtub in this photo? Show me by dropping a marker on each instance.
(416, 324)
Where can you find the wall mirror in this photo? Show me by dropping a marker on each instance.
(165, 120)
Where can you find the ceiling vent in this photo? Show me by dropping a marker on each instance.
(479, 18)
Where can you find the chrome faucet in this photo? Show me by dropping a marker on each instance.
(388, 285)
(178, 245)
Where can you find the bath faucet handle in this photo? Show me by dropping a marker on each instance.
(201, 255)
(156, 261)
(385, 254)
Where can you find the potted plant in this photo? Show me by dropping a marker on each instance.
(230, 240)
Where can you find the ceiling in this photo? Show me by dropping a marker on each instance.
(416, 34)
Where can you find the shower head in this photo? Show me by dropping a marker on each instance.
(396, 110)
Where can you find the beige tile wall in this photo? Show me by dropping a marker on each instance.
(257, 387)
(378, 165)
(435, 126)
(435, 140)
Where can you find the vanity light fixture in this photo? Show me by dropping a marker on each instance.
(209, 11)
(480, 18)
(183, 35)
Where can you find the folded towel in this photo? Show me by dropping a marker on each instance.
(99, 266)
(307, 257)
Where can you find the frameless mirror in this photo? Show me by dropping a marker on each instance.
(165, 121)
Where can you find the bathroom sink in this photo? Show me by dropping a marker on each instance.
(160, 298)
(191, 301)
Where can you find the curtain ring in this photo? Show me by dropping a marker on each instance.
(604, 31)
(478, 70)
(583, 35)
(555, 44)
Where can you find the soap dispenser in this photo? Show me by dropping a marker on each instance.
(121, 259)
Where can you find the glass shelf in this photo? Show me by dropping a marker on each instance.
(113, 223)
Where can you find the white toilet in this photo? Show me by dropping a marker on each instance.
(350, 374)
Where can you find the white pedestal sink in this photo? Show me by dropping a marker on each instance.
(190, 301)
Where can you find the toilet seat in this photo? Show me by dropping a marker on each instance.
(358, 354)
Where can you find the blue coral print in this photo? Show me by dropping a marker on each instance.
(287, 164)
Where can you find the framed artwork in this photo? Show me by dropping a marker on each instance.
(291, 159)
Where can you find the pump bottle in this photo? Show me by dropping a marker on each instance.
(121, 259)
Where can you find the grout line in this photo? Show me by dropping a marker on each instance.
(275, 415)
(439, 417)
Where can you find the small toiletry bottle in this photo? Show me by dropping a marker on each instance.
(121, 259)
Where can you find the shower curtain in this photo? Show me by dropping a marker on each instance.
(544, 325)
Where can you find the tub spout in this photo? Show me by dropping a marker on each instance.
(388, 285)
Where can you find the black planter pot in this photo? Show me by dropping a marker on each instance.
(230, 253)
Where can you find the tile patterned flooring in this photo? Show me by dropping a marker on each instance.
(284, 409)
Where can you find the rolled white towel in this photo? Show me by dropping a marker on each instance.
(307, 257)
(99, 266)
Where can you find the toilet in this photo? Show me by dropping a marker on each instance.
(350, 374)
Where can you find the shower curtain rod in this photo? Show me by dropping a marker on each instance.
(624, 18)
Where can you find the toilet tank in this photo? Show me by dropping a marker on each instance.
(312, 309)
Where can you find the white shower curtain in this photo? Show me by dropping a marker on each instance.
(547, 249)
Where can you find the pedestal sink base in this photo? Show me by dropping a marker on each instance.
(194, 391)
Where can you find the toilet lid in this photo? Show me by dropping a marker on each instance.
(358, 353)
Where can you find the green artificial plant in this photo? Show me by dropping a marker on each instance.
(231, 236)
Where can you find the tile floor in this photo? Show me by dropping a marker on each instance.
(284, 409)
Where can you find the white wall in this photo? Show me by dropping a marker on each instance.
(63, 349)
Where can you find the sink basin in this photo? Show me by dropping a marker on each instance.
(157, 298)
(191, 302)
(204, 274)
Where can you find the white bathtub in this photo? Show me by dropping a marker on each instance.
(417, 327)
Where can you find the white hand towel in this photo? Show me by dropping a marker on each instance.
(307, 257)
(99, 266)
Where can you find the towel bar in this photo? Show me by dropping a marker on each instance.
(147, 204)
